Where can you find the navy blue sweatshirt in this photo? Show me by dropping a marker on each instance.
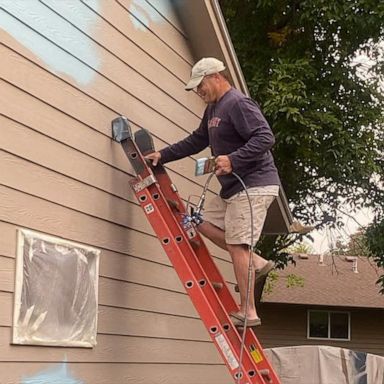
(233, 126)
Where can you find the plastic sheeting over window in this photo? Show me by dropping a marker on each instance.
(56, 292)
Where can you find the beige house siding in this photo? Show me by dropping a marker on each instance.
(286, 325)
(61, 174)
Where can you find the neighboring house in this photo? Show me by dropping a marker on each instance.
(335, 302)
(67, 69)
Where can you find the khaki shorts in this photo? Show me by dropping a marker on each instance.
(233, 216)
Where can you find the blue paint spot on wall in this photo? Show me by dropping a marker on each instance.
(44, 33)
(145, 14)
(56, 375)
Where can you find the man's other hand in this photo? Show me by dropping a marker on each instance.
(223, 165)
(154, 156)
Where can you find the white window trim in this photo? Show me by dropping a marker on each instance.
(329, 325)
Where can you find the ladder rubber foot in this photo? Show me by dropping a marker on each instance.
(217, 285)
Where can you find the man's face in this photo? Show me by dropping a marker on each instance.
(207, 89)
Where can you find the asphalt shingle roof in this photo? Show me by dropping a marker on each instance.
(331, 283)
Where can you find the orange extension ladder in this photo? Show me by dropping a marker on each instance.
(186, 250)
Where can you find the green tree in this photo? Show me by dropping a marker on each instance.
(357, 245)
(302, 61)
(300, 247)
(374, 238)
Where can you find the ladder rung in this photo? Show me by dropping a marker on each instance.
(217, 285)
(173, 204)
(195, 243)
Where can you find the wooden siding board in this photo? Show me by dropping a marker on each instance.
(146, 298)
(166, 10)
(164, 31)
(85, 108)
(112, 348)
(7, 268)
(111, 45)
(145, 39)
(122, 294)
(8, 239)
(132, 276)
(149, 324)
(151, 252)
(49, 153)
(61, 127)
(113, 76)
(17, 139)
(27, 211)
(6, 305)
(64, 129)
(116, 373)
(124, 266)
(185, 167)
(49, 185)
(134, 295)
(118, 45)
(54, 123)
(124, 269)
(129, 322)
(95, 107)
(22, 72)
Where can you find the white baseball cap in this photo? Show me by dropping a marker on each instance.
(205, 66)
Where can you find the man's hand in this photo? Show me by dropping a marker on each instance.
(223, 165)
(154, 156)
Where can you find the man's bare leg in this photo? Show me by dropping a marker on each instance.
(240, 258)
(217, 236)
(213, 233)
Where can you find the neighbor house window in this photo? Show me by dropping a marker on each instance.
(56, 292)
(329, 325)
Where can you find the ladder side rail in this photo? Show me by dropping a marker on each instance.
(248, 364)
(252, 343)
(203, 296)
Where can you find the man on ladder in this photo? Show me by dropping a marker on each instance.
(240, 139)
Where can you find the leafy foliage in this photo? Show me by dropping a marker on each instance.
(304, 63)
(292, 281)
(299, 63)
(356, 246)
(300, 247)
(374, 238)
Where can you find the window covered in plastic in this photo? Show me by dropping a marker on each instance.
(56, 292)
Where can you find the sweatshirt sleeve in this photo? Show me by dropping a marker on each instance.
(252, 126)
(194, 143)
